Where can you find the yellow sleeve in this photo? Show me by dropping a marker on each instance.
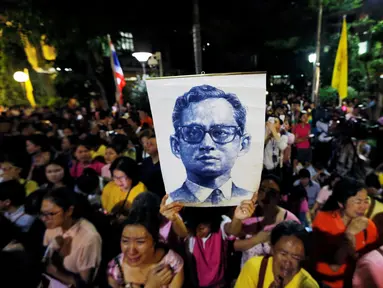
(31, 187)
(248, 278)
(308, 281)
(137, 190)
(105, 198)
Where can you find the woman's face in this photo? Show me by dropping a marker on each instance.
(53, 215)
(137, 245)
(32, 148)
(304, 118)
(65, 144)
(10, 171)
(287, 125)
(42, 158)
(83, 154)
(288, 253)
(110, 155)
(265, 196)
(145, 143)
(357, 205)
(203, 230)
(67, 132)
(54, 173)
(121, 180)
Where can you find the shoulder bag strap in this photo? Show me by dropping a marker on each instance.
(262, 271)
(117, 261)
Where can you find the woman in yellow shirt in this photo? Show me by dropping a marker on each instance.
(125, 185)
(283, 268)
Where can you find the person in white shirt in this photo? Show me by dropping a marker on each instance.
(275, 144)
(12, 197)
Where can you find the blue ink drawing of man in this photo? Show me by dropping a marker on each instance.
(209, 136)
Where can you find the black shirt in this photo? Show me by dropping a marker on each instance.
(151, 176)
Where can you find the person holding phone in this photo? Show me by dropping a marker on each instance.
(144, 261)
(276, 142)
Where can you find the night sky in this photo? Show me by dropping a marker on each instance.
(238, 31)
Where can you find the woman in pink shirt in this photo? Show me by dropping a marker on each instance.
(84, 160)
(302, 139)
(368, 272)
(255, 238)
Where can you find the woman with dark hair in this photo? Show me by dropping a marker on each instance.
(346, 231)
(38, 147)
(68, 144)
(282, 269)
(125, 185)
(84, 160)
(144, 262)
(256, 230)
(113, 151)
(58, 174)
(73, 244)
(302, 140)
(325, 193)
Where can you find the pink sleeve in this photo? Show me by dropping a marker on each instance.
(292, 217)
(304, 206)
(323, 195)
(174, 261)
(368, 271)
(72, 171)
(99, 167)
(165, 230)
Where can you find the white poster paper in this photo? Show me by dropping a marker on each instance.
(210, 132)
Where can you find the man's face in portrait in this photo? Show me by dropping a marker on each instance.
(209, 140)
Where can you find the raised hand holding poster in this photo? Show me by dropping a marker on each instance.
(210, 134)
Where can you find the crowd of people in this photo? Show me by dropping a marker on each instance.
(83, 204)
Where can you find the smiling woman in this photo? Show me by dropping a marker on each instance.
(144, 262)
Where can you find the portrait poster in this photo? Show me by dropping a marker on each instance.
(210, 132)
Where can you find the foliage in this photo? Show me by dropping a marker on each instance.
(138, 94)
(328, 95)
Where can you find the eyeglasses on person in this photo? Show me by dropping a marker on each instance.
(48, 214)
(220, 134)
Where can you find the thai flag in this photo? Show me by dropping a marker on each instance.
(118, 73)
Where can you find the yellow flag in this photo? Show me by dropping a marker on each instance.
(49, 52)
(340, 73)
(30, 51)
(29, 90)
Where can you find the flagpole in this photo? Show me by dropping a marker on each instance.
(316, 76)
(117, 94)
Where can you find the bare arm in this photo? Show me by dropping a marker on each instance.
(242, 212)
(113, 283)
(179, 227)
(68, 277)
(178, 280)
(246, 244)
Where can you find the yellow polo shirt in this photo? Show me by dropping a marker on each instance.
(250, 274)
(112, 195)
(376, 206)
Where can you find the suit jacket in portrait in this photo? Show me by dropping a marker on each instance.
(184, 194)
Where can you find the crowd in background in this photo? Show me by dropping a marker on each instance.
(83, 204)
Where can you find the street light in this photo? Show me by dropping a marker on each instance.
(20, 77)
(312, 58)
(362, 47)
(142, 57)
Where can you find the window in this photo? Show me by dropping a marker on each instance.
(126, 42)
